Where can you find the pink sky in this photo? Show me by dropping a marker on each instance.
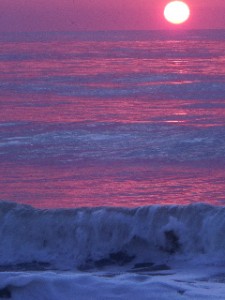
(72, 15)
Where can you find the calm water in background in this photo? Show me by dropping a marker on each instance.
(118, 118)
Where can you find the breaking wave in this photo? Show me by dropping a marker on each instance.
(84, 238)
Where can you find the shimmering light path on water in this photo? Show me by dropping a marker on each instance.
(117, 184)
(116, 121)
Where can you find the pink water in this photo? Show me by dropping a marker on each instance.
(112, 122)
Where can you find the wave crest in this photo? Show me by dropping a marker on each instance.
(87, 237)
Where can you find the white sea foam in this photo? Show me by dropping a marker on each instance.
(158, 252)
(90, 237)
(60, 286)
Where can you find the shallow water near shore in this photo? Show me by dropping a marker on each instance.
(103, 253)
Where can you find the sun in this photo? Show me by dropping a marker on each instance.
(176, 12)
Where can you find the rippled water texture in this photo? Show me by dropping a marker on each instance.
(121, 119)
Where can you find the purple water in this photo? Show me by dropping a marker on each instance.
(116, 119)
(125, 119)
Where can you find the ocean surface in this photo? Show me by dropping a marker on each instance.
(112, 118)
(112, 165)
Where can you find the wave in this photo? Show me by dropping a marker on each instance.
(84, 238)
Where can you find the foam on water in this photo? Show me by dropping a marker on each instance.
(88, 237)
(106, 142)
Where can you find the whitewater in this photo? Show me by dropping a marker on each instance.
(153, 252)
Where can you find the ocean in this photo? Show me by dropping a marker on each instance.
(112, 165)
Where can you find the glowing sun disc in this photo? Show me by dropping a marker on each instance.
(176, 12)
